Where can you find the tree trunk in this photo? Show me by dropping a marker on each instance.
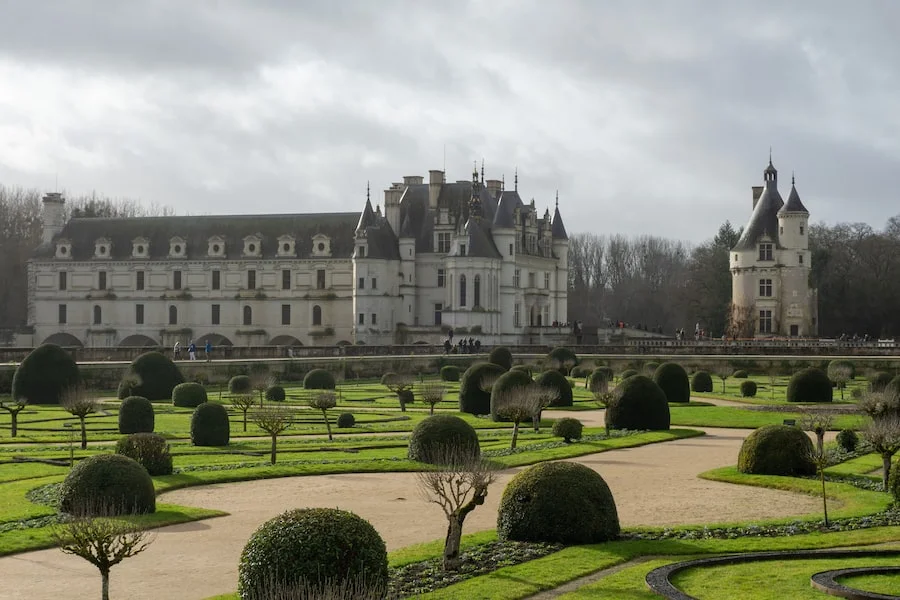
(274, 448)
(245, 420)
(84, 434)
(824, 497)
(886, 466)
(820, 442)
(515, 437)
(402, 402)
(430, 412)
(14, 424)
(327, 425)
(104, 577)
(536, 421)
(452, 541)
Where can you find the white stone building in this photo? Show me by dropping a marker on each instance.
(770, 266)
(468, 255)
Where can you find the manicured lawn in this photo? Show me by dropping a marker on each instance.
(736, 417)
(767, 394)
(881, 584)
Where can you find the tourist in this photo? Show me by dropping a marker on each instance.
(177, 349)
(208, 350)
(192, 350)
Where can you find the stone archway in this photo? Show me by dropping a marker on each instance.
(65, 340)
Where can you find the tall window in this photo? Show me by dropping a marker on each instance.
(139, 280)
(362, 283)
(765, 288)
(248, 315)
(765, 321)
(101, 280)
(441, 278)
(362, 319)
(98, 315)
(374, 283)
(462, 249)
(462, 290)
(531, 279)
(63, 280)
(517, 315)
(216, 280)
(62, 314)
(173, 315)
(317, 315)
(438, 309)
(374, 319)
(215, 316)
(443, 243)
(251, 279)
(176, 280)
(361, 252)
(285, 314)
(546, 281)
(139, 314)
(765, 251)
(476, 291)
(800, 258)
(320, 279)
(517, 276)
(285, 279)
(801, 230)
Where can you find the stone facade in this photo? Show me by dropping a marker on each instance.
(468, 255)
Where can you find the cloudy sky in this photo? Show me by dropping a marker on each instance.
(649, 117)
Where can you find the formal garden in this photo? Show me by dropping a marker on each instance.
(83, 464)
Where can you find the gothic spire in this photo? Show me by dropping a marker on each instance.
(516, 181)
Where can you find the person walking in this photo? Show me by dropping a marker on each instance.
(208, 350)
(192, 350)
(177, 350)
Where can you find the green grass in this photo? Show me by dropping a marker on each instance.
(765, 394)
(881, 584)
(739, 418)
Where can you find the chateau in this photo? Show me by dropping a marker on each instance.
(770, 267)
(469, 255)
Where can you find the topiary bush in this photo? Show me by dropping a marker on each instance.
(473, 399)
(847, 439)
(673, 380)
(626, 374)
(188, 395)
(809, 385)
(346, 421)
(523, 368)
(558, 502)
(894, 482)
(154, 376)
(125, 387)
(777, 450)
(105, 485)
(879, 381)
(568, 429)
(702, 382)
(501, 356)
(150, 450)
(44, 375)
(604, 374)
(556, 381)
(740, 374)
(562, 359)
(240, 384)
(275, 393)
(509, 380)
(438, 436)
(318, 379)
(748, 389)
(210, 425)
(650, 368)
(579, 372)
(843, 364)
(638, 404)
(311, 547)
(450, 373)
(136, 415)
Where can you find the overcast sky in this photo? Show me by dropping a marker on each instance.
(649, 117)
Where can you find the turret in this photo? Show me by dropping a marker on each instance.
(793, 222)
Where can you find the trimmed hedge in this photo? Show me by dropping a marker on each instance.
(151, 450)
(777, 450)
(210, 425)
(702, 382)
(472, 399)
(509, 380)
(188, 395)
(556, 381)
(450, 373)
(319, 379)
(275, 393)
(810, 385)
(564, 357)
(567, 428)
(346, 420)
(105, 485)
(847, 439)
(740, 374)
(673, 380)
(523, 368)
(44, 375)
(558, 502)
(650, 369)
(434, 437)
(312, 547)
(136, 415)
(894, 481)
(879, 381)
(579, 372)
(626, 374)
(748, 389)
(501, 356)
(638, 404)
(240, 384)
(154, 376)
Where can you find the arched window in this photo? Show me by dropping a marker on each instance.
(248, 315)
(476, 291)
(173, 315)
(98, 315)
(317, 315)
(462, 290)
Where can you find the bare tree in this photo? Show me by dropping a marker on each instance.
(80, 402)
(723, 371)
(260, 381)
(13, 407)
(400, 384)
(598, 384)
(818, 422)
(520, 403)
(459, 485)
(840, 374)
(432, 394)
(243, 402)
(773, 379)
(103, 542)
(323, 400)
(274, 420)
(884, 435)
(487, 381)
(819, 458)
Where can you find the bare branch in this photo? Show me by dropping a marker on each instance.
(274, 420)
(432, 394)
(243, 402)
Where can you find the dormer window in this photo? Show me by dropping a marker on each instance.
(63, 249)
(101, 248)
(765, 251)
(215, 246)
(177, 247)
(140, 247)
(321, 245)
(287, 246)
(252, 245)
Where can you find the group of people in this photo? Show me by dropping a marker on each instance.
(464, 346)
(192, 350)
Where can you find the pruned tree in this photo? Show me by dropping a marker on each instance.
(274, 420)
(260, 381)
(80, 402)
(772, 372)
(817, 422)
(13, 407)
(458, 486)
(723, 371)
(883, 434)
(487, 381)
(520, 403)
(432, 394)
(840, 374)
(819, 457)
(402, 385)
(323, 400)
(243, 402)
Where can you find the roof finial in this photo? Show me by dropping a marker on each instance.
(516, 180)
(482, 170)
(793, 180)
(502, 182)
(557, 199)
(770, 155)
(368, 194)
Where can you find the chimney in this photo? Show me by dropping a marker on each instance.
(757, 192)
(435, 180)
(494, 186)
(392, 204)
(53, 216)
(412, 180)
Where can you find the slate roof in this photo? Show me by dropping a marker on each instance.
(793, 204)
(764, 219)
(481, 242)
(558, 229)
(504, 216)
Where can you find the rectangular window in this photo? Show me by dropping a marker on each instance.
(215, 316)
(285, 279)
(438, 309)
(63, 280)
(511, 249)
(285, 314)
(462, 249)
(374, 283)
(547, 281)
(441, 278)
(320, 279)
(216, 280)
(139, 280)
(361, 252)
(62, 314)
(516, 278)
(362, 319)
(765, 251)
(176, 280)
(362, 283)
(800, 258)
(251, 279)
(517, 316)
(530, 279)
(101, 280)
(801, 230)
(765, 321)
(374, 319)
(444, 243)
(139, 314)
(765, 288)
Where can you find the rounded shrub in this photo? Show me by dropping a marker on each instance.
(506, 382)
(210, 426)
(847, 439)
(441, 437)
(846, 365)
(44, 375)
(346, 420)
(473, 399)
(558, 502)
(562, 359)
(150, 450)
(702, 382)
(319, 379)
(776, 450)
(275, 393)
(879, 381)
(626, 374)
(188, 395)
(240, 384)
(740, 374)
(809, 385)
(673, 380)
(556, 381)
(579, 372)
(450, 373)
(107, 484)
(501, 356)
(748, 388)
(599, 376)
(638, 404)
(894, 482)
(154, 376)
(136, 415)
(523, 368)
(568, 429)
(311, 548)
(650, 368)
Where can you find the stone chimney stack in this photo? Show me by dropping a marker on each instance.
(435, 180)
(53, 216)
(392, 205)
(757, 192)
(494, 187)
